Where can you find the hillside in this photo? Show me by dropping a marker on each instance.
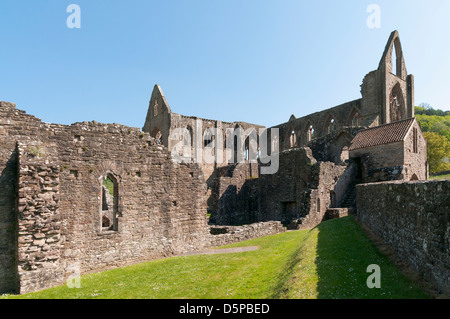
(435, 125)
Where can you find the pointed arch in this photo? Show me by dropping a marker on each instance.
(331, 125)
(397, 106)
(188, 136)
(394, 50)
(293, 138)
(354, 119)
(109, 202)
(310, 132)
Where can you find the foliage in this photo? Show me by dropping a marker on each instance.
(435, 124)
(109, 184)
(35, 151)
(438, 148)
(329, 261)
(425, 109)
(436, 127)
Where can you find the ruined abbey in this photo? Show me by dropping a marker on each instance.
(92, 196)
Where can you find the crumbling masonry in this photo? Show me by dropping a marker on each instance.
(92, 196)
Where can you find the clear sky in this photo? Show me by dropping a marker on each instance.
(255, 61)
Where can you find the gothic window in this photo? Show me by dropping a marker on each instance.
(225, 140)
(355, 119)
(331, 125)
(396, 58)
(188, 137)
(293, 139)
(207, 138)
(397, 108)
(275, 145)
(310, 134)
(109, 204)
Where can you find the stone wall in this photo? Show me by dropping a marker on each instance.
(320, 121)
(298, 194)
(413, 220)
(15, 125)
(224, 235)
(51, 191)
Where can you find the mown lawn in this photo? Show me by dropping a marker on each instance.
(329, 261)
(437, 177)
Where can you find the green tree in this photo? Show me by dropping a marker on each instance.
(438, 148)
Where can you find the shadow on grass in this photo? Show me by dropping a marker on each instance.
(287, 272)
(343, 256)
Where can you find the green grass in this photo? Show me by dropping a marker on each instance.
(329, 261)
(435, 177)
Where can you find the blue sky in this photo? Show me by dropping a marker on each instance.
(256, 61)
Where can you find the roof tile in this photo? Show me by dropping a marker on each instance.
(383, 134)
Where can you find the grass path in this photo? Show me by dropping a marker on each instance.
(329, 261)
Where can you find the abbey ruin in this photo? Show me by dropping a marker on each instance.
(95, 196)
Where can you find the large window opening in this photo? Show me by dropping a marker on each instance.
(293, 139)
(331, 125)
(355, 119)
(397, 104)
(310, 133)
(208, 138)
(109, 214)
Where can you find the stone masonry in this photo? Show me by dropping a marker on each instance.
(57, 217)
(413, 220)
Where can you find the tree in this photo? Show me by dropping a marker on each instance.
(438, 149)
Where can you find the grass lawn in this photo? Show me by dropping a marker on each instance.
(329, 261)
(440, 177)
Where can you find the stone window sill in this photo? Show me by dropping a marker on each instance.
(107, 232)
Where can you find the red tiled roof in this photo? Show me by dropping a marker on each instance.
(383, 134)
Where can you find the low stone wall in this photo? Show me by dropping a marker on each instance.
(334, 213)
(413, 220)
(224, 235)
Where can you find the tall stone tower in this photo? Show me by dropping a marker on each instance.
(388, 92)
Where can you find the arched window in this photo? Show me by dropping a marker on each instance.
(310, 133)
(355, 119)
(331, 125)
(397, 104)
(396, 58)
(293, 139)
(188, 137)
(110, 204)
(208, 138)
